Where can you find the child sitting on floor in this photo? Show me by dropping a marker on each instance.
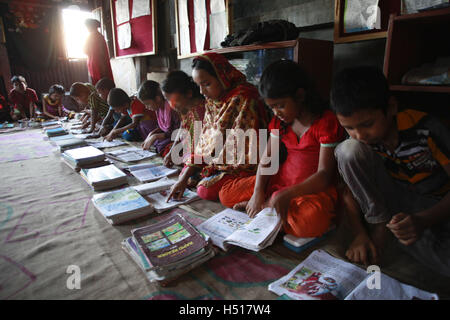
(143, 121)
(23, 99)
(168, 120)
(396, 166)
(87, 96)
(303, 190)
(184, 96)
(51, 103)
(103, 87)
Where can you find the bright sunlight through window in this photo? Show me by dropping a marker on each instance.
(75, 32)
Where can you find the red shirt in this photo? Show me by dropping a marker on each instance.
(23, 99)
(302, 158)
(137, 108)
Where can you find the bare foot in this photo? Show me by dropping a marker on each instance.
(379, 234)
(240, 206)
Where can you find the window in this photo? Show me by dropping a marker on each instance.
(75, 32)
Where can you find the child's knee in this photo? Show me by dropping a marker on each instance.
(207, 193)
(309, 219)
(351, 151)
(226, 198)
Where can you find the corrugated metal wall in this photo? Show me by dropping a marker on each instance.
(64, 72)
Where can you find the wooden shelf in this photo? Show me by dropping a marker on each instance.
(252, 47)
(412, 88)
(387, 7)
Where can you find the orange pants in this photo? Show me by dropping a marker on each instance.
(308, 216)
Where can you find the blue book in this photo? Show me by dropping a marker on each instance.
(300, 244)
(56, 132)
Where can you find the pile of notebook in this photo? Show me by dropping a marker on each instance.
(121, 205)
(130, 154)
(104, 177)
(147, 172)
(84, 158)
(55, 130)
(168, 249)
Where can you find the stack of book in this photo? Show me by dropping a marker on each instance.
(147, 172)
(130, 154)
(70, 143)
(121, 205)
(168, 249)
(83, 158)
(55, 131)
(104, 177)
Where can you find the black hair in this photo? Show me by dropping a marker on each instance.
(105, 84)
(118, 98)
(204, 65)
(283, 78)
(180, 82)
(77, 89)
(56, 88)
(357, 88)
(18, 79)
(149, 90)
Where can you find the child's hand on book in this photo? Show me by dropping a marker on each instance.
(280, 201)
(255, 204)
(177, 191)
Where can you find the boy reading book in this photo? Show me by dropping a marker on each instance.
(396, 166)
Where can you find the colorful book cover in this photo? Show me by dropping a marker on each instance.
(168, 241)
(119, 201)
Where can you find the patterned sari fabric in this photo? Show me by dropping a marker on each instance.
(195, 114)
(240, 108)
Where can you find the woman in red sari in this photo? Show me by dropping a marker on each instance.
(98, 57)
(231, 103)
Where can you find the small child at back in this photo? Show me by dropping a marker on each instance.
(397, 167)
(23, 99)
(52, 102)
(143, 121)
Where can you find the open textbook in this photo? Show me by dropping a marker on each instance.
(130, 154)
(323, 277)
(231, 227)
(158, 199)
(150, 171)
(100, 144)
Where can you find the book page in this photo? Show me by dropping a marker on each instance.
(222, 225)
(156, 186)
(158, 199)
(319, 277)
(153, 173)
(389, 289)
(106, 144)
(109, 172)
(255, 232)
(119, 201)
